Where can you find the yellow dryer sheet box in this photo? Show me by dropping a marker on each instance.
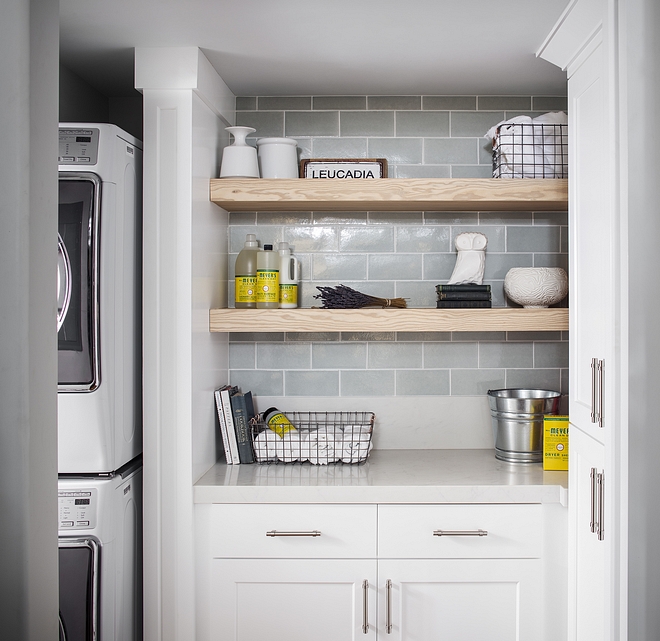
(555, 442)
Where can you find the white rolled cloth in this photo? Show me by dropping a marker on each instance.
(319, 446)
(553, 141)
(291, 447)
(356, 443)
(267, 445)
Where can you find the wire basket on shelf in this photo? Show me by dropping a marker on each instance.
(318, 437)
(530, 150)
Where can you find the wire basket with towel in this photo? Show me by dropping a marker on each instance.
(318, 437)
(525, 147)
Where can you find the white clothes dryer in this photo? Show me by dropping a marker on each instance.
(99, 298)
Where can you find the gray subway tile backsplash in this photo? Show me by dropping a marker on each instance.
(388, 254)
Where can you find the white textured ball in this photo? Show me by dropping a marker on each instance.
(536, 286)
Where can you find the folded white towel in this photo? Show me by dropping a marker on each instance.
(319, 446)
(267, 445)
(291, 447)
(356, 443)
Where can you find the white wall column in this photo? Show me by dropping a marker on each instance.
(186, 107)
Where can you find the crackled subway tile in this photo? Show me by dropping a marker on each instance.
(476, 382)
(246, 103)
(423, 238)
(395, 217)
(340, 218)
(312, 123)
(422, 171)
(339, 356)
(396, 150)
(496, 235)
(366, 239)
(423, 337)
(242, 356)
(439, 267)
(460, 337)
(498, 264)
(504, 103)
(394, 266)
(451, 355)
(505, 218)
(366, 123)
(266, 123)
(367, 336)
(474, 124)
(551, 260)
(313, 238)
(451, 218)
(422, 124)
(339, 147)
(339, 102)
(442, 103)
(550, 103)
(237, 237)
(417, 293)
(395, 356)
(317, 383)
(284, 103)
(533, 239)
(339, 266)
(507, 355)
(471, 171)
(283, 356)
(549, 379)
(284, 218)
(256, 337)
(259, 382)
(429, 382)
(244, 218)
(367, 383)
(450, 151)
(394, 102)
(551, 218)
(310, 337)
(551, 354)
(533, 336)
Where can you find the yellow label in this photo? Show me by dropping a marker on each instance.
(246, 289)
(280, 424)
(555, 443)
(289, 293)
(268, 286)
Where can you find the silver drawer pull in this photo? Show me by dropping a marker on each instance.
(388, 617)
(460, 533)
(365, 607)
(285, 533)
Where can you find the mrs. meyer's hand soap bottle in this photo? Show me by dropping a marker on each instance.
(245, 290)
(268, 278)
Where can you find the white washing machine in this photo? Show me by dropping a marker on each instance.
(100, 548)
(99, 298)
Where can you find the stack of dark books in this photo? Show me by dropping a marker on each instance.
(457, 296)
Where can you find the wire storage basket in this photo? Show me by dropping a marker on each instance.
(530, 150)
(318, 437)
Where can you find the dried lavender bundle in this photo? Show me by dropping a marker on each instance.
(343, 297)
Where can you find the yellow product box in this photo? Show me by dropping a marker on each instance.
(555, 442)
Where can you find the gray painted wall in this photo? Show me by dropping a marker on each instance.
(29, 44)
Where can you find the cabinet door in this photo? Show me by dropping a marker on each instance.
(586, 613)
(293, 600)
(591, 245)
(497, 600)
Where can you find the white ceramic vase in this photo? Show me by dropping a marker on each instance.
(536, 286)
(240, 159)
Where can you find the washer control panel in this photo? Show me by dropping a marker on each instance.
(78, 146)
(77, 509)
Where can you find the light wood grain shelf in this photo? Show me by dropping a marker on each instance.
(388, 320)
(391, 194)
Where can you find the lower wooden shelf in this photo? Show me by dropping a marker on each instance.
(389, 320)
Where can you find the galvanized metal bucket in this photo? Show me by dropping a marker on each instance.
(517, 416)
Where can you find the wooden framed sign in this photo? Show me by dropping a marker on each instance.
(343, 168)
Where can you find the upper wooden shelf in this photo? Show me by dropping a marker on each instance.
(499, 319)
(391, 194)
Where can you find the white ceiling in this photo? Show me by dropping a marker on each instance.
(331, 47)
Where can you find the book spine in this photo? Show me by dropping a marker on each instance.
(464, 295)
(463, 304)
(242, 429)
(231, 430)
(223, 426)
(462, 288)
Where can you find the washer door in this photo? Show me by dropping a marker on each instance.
(79, 589)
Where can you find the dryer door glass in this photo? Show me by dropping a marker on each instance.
(77, 336)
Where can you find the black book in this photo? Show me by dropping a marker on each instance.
(242, 427)
(460, 304)
(463, 295)
(469, 287)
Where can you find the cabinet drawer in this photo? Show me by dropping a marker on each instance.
(321, 531)
(452, 531)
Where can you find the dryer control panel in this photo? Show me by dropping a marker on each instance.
(77, 509)
(78, 146)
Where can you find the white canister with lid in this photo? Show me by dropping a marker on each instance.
(278, 157)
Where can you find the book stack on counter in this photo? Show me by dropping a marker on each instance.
(235, 411)
(463, 296)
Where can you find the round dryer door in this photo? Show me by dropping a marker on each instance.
(63, 282)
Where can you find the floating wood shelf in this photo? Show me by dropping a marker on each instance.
(388, 320)
(391, 194)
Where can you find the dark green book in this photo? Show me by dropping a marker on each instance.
(461, 304)
(469, 287)
(242, 427)
(477, 295)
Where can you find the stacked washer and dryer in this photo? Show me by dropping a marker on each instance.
(100, 383)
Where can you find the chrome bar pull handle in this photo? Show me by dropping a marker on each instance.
(388, 615)
(601, 374)
(460, 532)
(593, 525)
(313, 533)
(601, 505)
(365, 607)
(594, 367)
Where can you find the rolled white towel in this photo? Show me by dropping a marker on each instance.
(267, 445)
(291, 447)
(356, 443)
(319, 446)
(554, 142)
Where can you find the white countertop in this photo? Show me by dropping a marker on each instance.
(388, 476)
